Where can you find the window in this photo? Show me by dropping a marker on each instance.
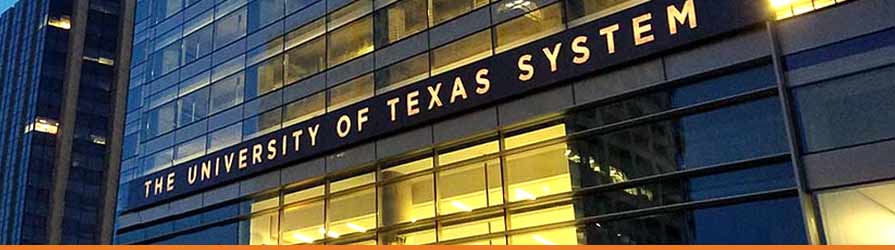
(265, 229)
(464, 229)
(406, 169)
(559, 236)
(225, 137)
(304, 109)
(265, 51)
(306, 33)
(62, 22)
(262, 124)
(528, 218)
(859, 215)
(263, 12)
(402, 73)
(194, 83)
(189, 150)
(400, 20)
(443, 10)
(166, 8)
(158, 161)
(305, 60)
(352, 182)
(414, 236)
(229, 28)
(789, 8)
(166, 60)
(226, 93)
(407, 200)
(197, 44)
(533, 25)
(354, 212)
(350, 41)
(302, 223)
(469, 187)
(348, 13)
(192, 107)
(468, 153)
(294, 5)
(160, 120)
(583, 11)
(351, 92)
(264, 77)
(538, 172)
(461, 52)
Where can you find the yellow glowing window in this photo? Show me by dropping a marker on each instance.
(302, 224)
(62, 22)
(406, 168)
(551, 215)
(352, 182)
(407, 200)
(469, 153)
(264, 229)
(265, 204)
(44, 125)
(537, 173)
(860, 216)
(536, 136)
(560, 236)
(789, 8)
(419, 237)
(469, 229)
(304, 194)
(470, 187)
(351, 214)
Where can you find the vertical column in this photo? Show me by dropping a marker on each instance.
(813, 228)
(71, 84)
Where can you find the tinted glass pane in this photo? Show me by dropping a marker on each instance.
(193, 107)
(264, 77)
(263, 12)
(461, 52)
(402, 73)
(197, 44)
(305, 60)
(229, 28)
(582, 11)
(305, 109)
(400, 20)
(226, 93)
(528, 27)
(350, 92)
(350, 41)
(443, 10)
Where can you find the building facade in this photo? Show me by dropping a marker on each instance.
(58, 94)
(525, 122)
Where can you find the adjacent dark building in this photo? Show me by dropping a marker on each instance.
(509, 122)
(58, 92)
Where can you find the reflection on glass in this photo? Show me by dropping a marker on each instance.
(400, 20)
(351, 92)
(350, 41)
(859, 216)
(443, 10)
(304, 109)
(533, 25)
(305, 60)
(583, 11)
(229, 28)
(555, 214)
(469, 187)
(306, 33)
(538, 172)
(402, 73)
(461, 52)
(264, 77)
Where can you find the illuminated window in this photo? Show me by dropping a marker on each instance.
(536, 136)
(262, 124)
(265, 228)
(303, 195)
(470, 187)
(406, 169)
(351, 213)
(859, 216)
(554, 214)
(349, 13)
(302, 224)
(461, 52)
(400, 20)
(226, 93)
(62, 22)
(304, 109)
(540, 171)
(402, 73)
(351, 92)
(44, 125)
(414, 236)
(350, 41)
(352, 182)
(583, 11)
(306, 33)
(305, 60)
(407, 200)
(443, 10)
(470, 229)
(789, 8)
(533, 25)
(229, 28)
(469, 153)
(559, 236)
(264, 77)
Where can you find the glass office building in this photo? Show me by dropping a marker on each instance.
(523, 122)
(58, 65)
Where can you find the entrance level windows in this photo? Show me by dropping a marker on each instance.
(862, 215)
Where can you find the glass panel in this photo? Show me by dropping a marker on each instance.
(470, 229)
(189, 150)
(406, 169)
(352, 182)
(350, 12)
(544, 134)
(352, 213)
(350, 41)
(166, 8)
(193, 107)
(407, 200)
(160, 120)
(443, 10)
(402, 73)
(265, 51)
(195, 82)
(468, 153)
(264, 77)
(351, 92)
(470, 187)
(266, 122)
(461, 52)
(265, 204)
(305, 60)
(408, 237)
(583, 11)
(166, 60)
(302, 224)
(197, 45)
(227, 93)
(304, 109)
(400, 20)
(533, 25)
(229, 28)
(859, 216)
(263, 12)
(294, 5)
(713, 225)
(304, 194)
(559, 236)
(538, 172)
(306, 33)
(555, 214)
(225, 137)
(264, 229)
